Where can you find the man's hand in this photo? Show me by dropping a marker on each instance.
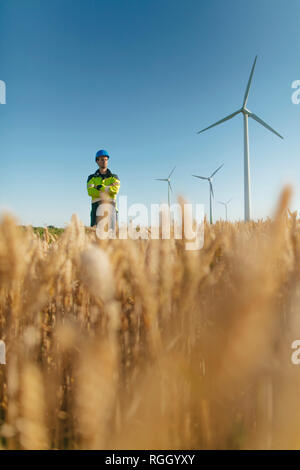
(106, 188)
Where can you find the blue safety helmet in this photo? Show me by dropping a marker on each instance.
(101, 153)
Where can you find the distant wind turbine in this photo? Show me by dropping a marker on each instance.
(211, 191)
(246, 113)
(169, 184)
(225, 204)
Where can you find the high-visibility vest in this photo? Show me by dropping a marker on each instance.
(96, 184)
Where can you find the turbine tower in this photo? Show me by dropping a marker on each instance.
(169, 184)
(246, 113)
(211, 191)
(225, 204)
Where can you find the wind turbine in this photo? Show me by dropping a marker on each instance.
(225, 204)
(211, 191)
(169, 184)
(246, 113)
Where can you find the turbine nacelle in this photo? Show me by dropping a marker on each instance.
(244, 110)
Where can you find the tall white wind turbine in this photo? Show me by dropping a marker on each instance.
(246, 113)
(211, 191)
(169, 184)
(225, 204)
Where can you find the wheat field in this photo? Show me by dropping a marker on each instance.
(141, 344)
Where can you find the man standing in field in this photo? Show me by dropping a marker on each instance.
(103, 187)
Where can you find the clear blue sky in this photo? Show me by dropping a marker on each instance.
(139, 78)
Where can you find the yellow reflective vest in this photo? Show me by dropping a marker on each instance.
(96, 184)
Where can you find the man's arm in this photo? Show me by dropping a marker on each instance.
(93, 190)
(114, 186)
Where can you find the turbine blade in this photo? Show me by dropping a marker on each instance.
(161, 179)
(221, 120)
(216, 170)
(249, 83)
(220, 202)
(229, 201)
(171, 171)
(170, 186)
(263, 123)
(211, 188)
(202, 177)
